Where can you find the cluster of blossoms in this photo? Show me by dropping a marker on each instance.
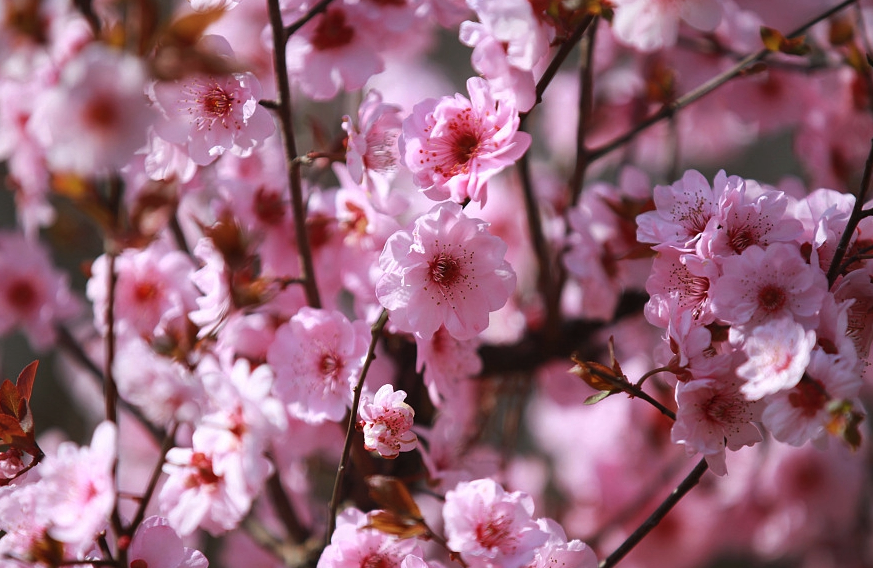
(403, 296)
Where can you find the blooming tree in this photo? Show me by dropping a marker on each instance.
(361, 283)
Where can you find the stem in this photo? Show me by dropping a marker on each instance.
(375, 332)
(633, 390)
(670, 109)
(280, 38)
(555, 64)
(169, 440)
(285, 510)
(314, 11)
(456, 556)
(586, 107)
(854, 219)
(675, 496)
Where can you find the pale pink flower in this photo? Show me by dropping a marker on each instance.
(97, 116)
(455, 145)
(490, 527)
(80, 487)
(680, 282)
(333, 50)
(372, 142)
(712, 414)
(762, 284)
(354, 545)
(156, 545)
(213, 281)
(653, 24)
(682, 211)
(557, 552)
(778, 352)
(210, 114)
(386, 423)
(448, 271)
(34, 296)
(446, 362)
(317, 357)
(207, 5)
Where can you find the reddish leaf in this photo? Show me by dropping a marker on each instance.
(9, 399)
(391, 494)
(24, 384)
(399, 526)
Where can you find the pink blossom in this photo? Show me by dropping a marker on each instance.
(682, 212)
(778, 352)
(454, 145)
(156, 545)
(80, 487)
(762, 284)
(317, 356)
(491, 527)
(34, 296)
(448, 271)
(372, 142)
(681, 281)
(653, 24)
(97, 115)
(557, 552)
(212, 114)
(334, 49)
(713, 414)
(354, 545)
(387, 421)
(446, 362)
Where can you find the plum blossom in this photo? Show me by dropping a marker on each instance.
(372, 142)
(33, 294)
(682, 211)
(762, 284)
(212, 114)
(317, 356)
(354, 545)
(649, 25)
(454, 145)
(557, 552)
(386, 423)
(778, 352)
(712, 415)
(156, 545)
(97, 115)
(446, 362)
(448, 271)
(491, 527)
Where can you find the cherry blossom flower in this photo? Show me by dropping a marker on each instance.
(682, 210)
(386, 423)
(372, 143)
(558, 552)
(653, 24)
(778, 352)
(156, 545)
(712, 414)
(491, 527)
(211, 114)
(354, 545)
(317, 356)
(762, 284)
(448, 271)
(446, 361)
(33, 294)
(97, 116)
(455, 145)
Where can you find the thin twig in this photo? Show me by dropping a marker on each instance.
(294, 182)
(650, 523)
(670, 109)
(586, 107)
(854, 219)
(284, 508)
(632, 390)
(559, 58)
(169, 440)
(376, 333)
(314, 11)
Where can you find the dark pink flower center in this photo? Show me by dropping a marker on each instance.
(204, 474)
(377, 560)
(217, 102)
(145, 292)
(722, 410)
(494, 533)
(102, 113)
(445, 270)
(269, 206)
(330, 366)
(771, 298)
(139, 563)
(21, 295)
(332, 31)
(741, 239)
(809, 396)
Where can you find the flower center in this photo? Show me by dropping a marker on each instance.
(330, 366)
(466, 146)
(204, 474)
(332, 31)
(771, 298)
(21, 295)
(145, 291)
(493, 534)
(809, 396)
(445, 270)
(217, 102)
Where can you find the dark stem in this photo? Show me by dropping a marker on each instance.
(555, 64)
(854, 219)
(280, 37)
(314, 11)
(586, 107)
(376, 333)
(633, 390)
(670, 109)
(169, 440)
(285, 510)
(650, 523)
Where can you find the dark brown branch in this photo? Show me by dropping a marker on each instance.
(285, 510)
(633, 390)
(280, 36)
(650, 523)
(854, 219)
(314, 11)
(169, 440)
(670, 109)
(376, 333)
(586, 107)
